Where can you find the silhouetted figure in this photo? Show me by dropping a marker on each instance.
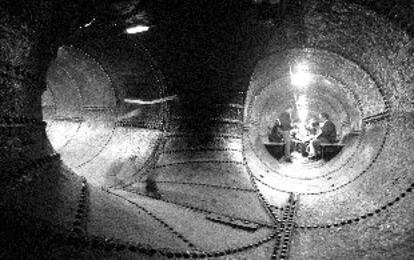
(326, 136)
(284, 129)
(275, 136)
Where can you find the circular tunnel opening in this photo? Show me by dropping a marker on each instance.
(334, 85)
(89, 123)
(321, 95)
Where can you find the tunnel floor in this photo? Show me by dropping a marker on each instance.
(200, 201)
(300, 164)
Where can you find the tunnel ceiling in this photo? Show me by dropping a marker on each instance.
(89, 175)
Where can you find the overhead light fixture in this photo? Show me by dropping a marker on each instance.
(300, 75)
(137, 29)
(89, 24)
(149, 102)
(137, 23)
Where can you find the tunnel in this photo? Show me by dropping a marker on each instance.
(152, 144)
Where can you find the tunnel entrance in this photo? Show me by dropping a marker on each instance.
(96, 133)
(320, 95)
(311, 82)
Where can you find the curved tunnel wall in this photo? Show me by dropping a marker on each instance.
(363, 57)
(371, 95)
(227, 177)
(89, 124)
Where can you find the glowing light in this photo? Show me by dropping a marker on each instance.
(89, 24)
(137, 29)
(302, 114)
(300, 76)
(149, 102)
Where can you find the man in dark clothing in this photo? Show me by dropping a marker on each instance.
(274, 135)
(284, 129)
(326, 136)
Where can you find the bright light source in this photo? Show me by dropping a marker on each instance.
(149, 102)
(89, 24)
(137, 29)
(300, 76)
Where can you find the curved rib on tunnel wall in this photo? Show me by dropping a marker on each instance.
(95, 132)
(188, 171)
(367, 182)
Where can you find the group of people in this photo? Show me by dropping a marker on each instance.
(318, 132)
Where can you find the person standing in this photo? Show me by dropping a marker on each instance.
(284, 129)
(327, 135)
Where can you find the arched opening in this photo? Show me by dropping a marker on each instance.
(98, 134)
(330, 90)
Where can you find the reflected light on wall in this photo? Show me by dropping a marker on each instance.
(302, 108)
(302, 115)
(300, 76)
(302, 112)
(137, 29)
(150, 102)
(58, 135)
